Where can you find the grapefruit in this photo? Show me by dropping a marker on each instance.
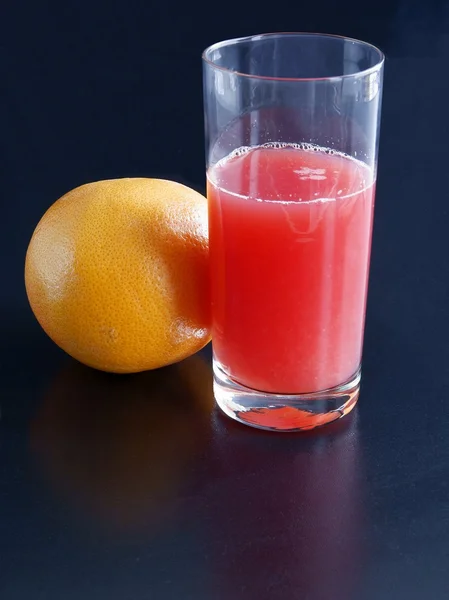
(116, 273)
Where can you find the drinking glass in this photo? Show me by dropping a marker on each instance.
(292, 126)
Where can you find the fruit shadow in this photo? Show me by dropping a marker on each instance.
(115, 447)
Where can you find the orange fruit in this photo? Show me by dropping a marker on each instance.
(116, 273)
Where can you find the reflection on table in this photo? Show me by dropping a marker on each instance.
(116, 447)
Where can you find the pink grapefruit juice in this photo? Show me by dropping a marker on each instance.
(290, 237)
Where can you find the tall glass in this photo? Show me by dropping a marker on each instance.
(292, 125)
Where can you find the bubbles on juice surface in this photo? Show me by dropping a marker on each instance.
(300, 172)
(306, 146)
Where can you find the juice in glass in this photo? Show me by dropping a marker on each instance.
(290, 236)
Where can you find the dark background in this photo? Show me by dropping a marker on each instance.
(140, 489)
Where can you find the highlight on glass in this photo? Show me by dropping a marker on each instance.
(292, 126)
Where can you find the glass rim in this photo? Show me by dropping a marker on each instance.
(257, 37)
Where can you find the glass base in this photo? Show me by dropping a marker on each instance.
(284, 412)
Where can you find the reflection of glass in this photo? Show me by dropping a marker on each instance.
(117, 446)
(291, 132)
(299, 537)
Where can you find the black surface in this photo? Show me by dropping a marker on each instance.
(130, 490)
